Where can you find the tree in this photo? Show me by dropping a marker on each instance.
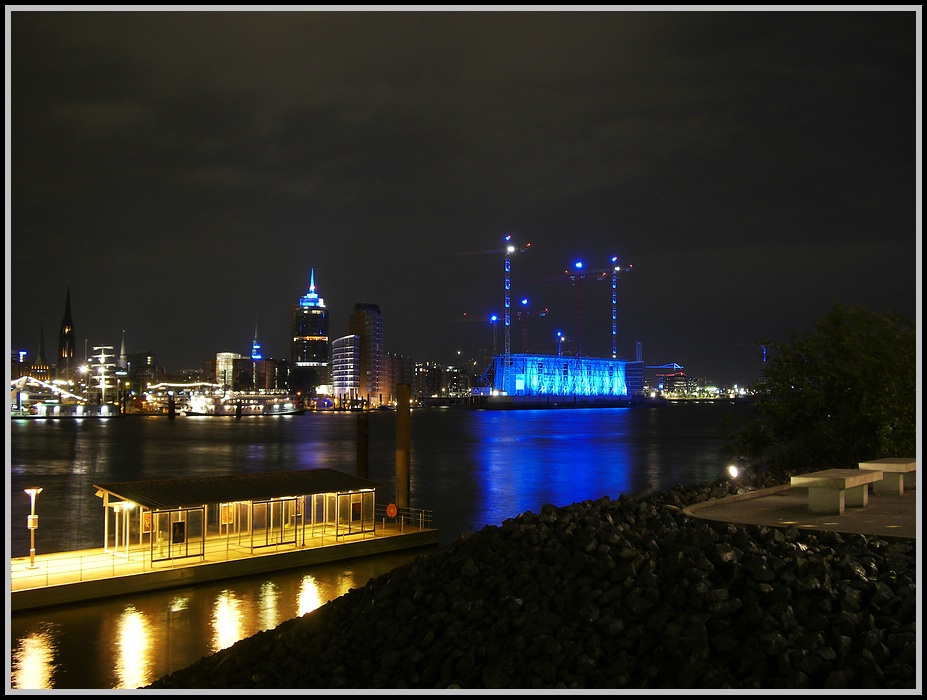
(842, 394)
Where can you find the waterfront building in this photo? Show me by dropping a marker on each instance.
(225, 368)
(399, 370)
(39, 368)
(366, 322)
(558, 376)
(429, 380)
(346, 371)
(270, 375)
(678, 384)
(309, 352)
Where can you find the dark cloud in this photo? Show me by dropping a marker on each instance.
(184, 171)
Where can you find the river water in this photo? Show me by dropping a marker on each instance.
(471, 468)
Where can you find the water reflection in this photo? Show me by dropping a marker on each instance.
(226, 621)
(471, 467)
(309, 598)
(33, 659)
(269, 604)
(133, 649)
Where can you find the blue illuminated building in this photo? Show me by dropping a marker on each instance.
(595, 379)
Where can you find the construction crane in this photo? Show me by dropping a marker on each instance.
(580, 273)
(508, 249)
(523, 317)
(576, 275)
(492, 319)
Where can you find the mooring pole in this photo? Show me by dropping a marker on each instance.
(403, 445)
(363, 442)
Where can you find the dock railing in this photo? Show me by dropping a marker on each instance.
(404, 517)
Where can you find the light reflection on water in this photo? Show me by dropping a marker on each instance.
(33, 658)
(472, 468)
(133, 648)
(118, 644)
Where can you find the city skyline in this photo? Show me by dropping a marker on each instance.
(183, 172)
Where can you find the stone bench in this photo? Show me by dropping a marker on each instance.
(897, 472)
(831, 490)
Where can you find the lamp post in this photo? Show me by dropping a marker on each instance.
(32, 522)
(559, 343)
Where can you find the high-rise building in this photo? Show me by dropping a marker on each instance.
(225, 368)
(365, 321)
(309, 352)
(65, 362)
(346, 371)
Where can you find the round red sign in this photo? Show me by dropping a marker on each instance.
(391, 510)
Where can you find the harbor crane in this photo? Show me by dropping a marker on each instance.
(577, 275)
(508, 249)
(580, 273)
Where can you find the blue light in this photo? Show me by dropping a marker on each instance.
(578, 265)
(545, 375)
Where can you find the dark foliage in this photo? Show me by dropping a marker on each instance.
(841, 394)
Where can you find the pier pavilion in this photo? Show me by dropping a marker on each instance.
(180, 532)
(174, 518)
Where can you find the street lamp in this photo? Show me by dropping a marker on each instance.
(559, 343)
(32, 522)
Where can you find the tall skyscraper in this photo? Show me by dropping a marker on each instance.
(65, 363)
(309, 352)
(367, 323)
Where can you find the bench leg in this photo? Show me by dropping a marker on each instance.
(858, 496)
(892, 484)
(826, 501)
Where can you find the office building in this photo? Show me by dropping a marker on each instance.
(309, 355)
(367, 323)
(346, 371)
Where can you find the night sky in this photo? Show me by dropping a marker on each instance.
(183, 172)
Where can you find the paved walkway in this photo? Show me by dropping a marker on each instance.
(782, 506)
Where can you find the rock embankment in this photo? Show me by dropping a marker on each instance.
(613, 593)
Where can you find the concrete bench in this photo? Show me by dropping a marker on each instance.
(831, 490)
(897, 472)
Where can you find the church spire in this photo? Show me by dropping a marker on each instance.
(40, 355)
(123, 358)
(66, 341)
